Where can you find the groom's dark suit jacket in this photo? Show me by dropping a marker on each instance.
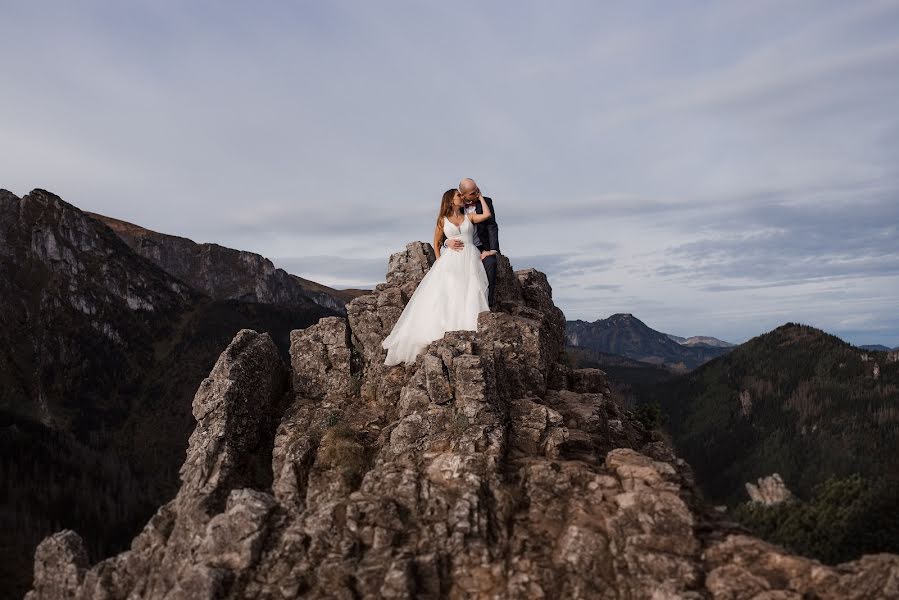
(488, 232)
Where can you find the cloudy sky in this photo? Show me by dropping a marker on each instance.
(714, 168)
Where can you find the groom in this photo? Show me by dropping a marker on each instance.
(486, 234)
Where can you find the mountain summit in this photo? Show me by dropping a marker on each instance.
(626, 335)
(485, 470)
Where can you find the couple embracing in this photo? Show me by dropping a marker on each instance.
(462, 282)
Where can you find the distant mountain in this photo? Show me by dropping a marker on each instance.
(878, 348)
(796, 401)
(701, 340)
(223, 273)
(101, 352)
(626, 335)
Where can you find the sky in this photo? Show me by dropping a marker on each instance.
(714, 168)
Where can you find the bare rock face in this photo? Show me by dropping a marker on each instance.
(769, 490)
(225, 273)
(484, 470)
(233, 409)
(742, 567)
(745, 399)
(60, 562)
(321, 357)
(372, 316)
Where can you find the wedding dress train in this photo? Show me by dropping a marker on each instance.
(449, 298)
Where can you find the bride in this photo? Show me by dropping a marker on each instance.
(452, 292)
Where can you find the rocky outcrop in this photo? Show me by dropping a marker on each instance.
(224, 273)
(769, 491)
(745, 567)
(60, 563)
(745, 399)
(484, 470)
(101, 352)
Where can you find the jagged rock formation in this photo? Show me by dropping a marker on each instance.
(224, 273)
(769, 490)
(485, 470)
(101, 352)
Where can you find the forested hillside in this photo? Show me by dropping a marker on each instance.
(796, 401)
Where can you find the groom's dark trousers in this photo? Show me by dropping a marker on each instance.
(490, 267)
(488, 239)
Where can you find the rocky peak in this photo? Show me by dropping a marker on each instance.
(42, 228)
(487, 470)
(769, 490)
(626, 317)
(626, 335)
(224, 273)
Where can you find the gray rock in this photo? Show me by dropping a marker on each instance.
(410, 265)
(321, 358)
(769, 491)
(233, 408)
(742, 567)
(508, 287)
(60, 563)
(486, 469)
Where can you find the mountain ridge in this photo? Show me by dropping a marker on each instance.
(224, 273)
(878, 348)
(101, 351)
(626, 335)
(705, 340)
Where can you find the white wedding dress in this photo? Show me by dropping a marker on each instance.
(449, 298)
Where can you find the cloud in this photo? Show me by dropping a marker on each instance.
(710, 168)
(792, 243)
(339, 270)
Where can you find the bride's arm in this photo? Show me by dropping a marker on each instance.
(477, 218)
(438, 234)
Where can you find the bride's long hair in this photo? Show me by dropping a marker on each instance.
(446, 204)
(446, 208)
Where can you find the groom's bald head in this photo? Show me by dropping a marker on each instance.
(467, 186)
